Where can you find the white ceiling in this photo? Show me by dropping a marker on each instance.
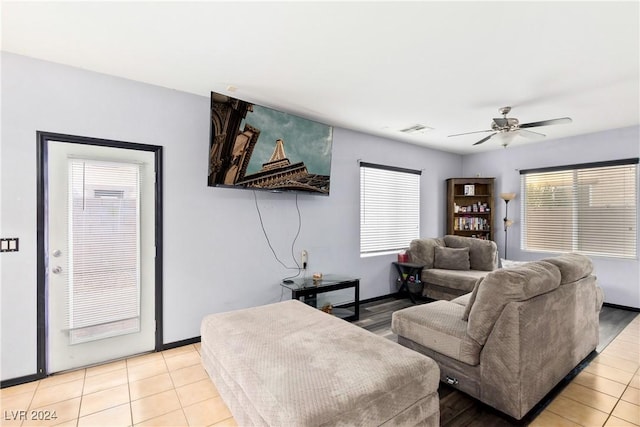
(375, 67)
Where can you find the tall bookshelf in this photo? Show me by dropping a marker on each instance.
(470, 207)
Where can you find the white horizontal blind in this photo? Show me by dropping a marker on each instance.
(591, 210)
(104, 266)
(389, 208)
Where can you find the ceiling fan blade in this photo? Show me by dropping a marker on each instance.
(547, 122)
(469, 133)
(485, 139)
(501, 122)
(530, 134)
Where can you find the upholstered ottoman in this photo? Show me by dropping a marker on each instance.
(288, 364)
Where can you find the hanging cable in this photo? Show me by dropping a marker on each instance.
(266, 236)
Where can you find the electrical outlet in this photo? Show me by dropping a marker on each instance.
(304, 257)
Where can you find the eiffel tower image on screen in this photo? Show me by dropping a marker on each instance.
(280, 174)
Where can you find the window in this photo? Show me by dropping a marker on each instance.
(389, 208)
(589, 208)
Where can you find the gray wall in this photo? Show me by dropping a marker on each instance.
(619, 278)
(216, 257)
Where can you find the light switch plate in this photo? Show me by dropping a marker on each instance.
(9, 244)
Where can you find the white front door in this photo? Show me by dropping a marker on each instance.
(101, 257)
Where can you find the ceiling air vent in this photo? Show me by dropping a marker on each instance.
(416, 129)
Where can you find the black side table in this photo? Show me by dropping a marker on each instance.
(309, 288)
(406, 270)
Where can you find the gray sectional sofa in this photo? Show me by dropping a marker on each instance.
(452, 264)
(518, 334)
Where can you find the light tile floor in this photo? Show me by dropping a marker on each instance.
(171, 388)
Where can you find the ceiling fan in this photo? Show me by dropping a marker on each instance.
(507, 128)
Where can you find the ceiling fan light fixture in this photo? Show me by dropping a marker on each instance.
(508, 127)
(505, 124)
(505, 137)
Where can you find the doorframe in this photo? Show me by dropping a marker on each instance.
(43, 138)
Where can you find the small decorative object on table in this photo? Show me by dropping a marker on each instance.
(317, 277)
(327, 308)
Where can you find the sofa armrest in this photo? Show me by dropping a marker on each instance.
(422, 251)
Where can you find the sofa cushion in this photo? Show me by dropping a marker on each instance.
(421, 251)
(505, 285)
(438, 326)
(483, 254)
(462, 300)
(451, 258)
(472, 299)
(572, 267)
(463, 280)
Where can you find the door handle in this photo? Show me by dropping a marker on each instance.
(57, 253)
(57, 269)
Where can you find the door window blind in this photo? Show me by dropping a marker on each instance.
(104, 234)
(591, 209)
(389, 208)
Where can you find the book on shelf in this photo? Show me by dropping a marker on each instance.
(471, 224)
(474, 208)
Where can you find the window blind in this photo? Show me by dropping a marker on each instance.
(389, 208)
(104, 234)
(591, 209)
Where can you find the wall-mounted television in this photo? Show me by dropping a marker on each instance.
(257, 147)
